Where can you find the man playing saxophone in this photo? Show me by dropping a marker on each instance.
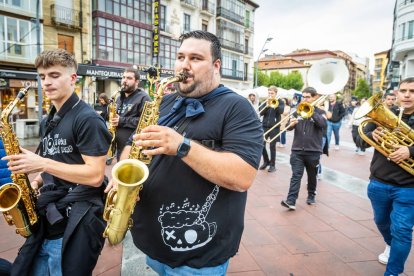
(129, 107)
(391, 189)
(71, 167)
(206, 150)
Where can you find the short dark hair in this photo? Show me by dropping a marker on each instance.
(49, 58)
(133, 70)
(407, 80)
(389, 94)
(215, 42)
(310, 90)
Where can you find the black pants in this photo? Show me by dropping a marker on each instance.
(122, 137)
(298, 163)
(272, 147)
(355, 135)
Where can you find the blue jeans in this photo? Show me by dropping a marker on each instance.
(394, 216)
(333, 127)
(165, 270)
(49, 259)
(283, 138)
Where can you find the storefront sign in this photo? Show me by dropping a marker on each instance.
(100, 71)
(22, 83)
(156, 33)
(9, 74)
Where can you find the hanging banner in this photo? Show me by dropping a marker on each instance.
(156, 33)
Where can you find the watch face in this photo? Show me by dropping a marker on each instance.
(184, 148)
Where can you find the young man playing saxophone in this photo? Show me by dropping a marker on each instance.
(71, 163)
(189, 219)
(391, 189)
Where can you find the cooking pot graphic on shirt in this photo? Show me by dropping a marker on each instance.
(186, 229)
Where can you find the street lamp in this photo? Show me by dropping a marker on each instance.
(268, 39)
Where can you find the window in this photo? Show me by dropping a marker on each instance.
(140, 11)
(410, 29)
(232, 66)
(118, 42)
(204, 25)
(18, 39)
(168, 52)
(187, 20)
(163, 16)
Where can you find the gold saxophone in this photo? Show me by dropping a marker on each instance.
(17, 199)
(131, 173)
(112, 129)
(394, 131)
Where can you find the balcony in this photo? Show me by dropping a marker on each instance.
(165, 27)
(230, 15)
(402, 47)
(232, 74)
(189, 4)
(65, 17)
(207, 7)
(249, 25)
(231, 45)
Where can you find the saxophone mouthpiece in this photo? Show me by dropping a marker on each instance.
(22, 92)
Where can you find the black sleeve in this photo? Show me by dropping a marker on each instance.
(368, 129)
(92, 136)
(281, 107)
(341, 110)
(294, 115)
(318, 118)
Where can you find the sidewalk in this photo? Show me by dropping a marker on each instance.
(337, 236)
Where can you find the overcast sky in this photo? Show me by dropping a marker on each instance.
(363, 27)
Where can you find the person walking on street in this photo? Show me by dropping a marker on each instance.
(306, 150)
(391, 189)
(271, 116)
(334, 123)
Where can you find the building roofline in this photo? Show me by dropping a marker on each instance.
(250, 2)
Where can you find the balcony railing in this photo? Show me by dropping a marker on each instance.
(232, 74)
(189, 3)
(208, 7)
(230, 15)
(405, 3)
(249, 25)
(63, 16)
(232, 45)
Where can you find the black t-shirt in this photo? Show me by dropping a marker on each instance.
(80, 131)
(183, 219)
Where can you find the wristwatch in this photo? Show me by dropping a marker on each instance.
(183, 148)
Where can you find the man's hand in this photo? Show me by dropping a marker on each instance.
(25, 162)
(111, 185)
(158, 140)
(115, 121)
(293, 121)
(400, 154)
(377, 134)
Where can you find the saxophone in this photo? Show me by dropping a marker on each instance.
(17, 199)
(131, 173)
(112, 129)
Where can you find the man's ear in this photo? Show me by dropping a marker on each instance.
(73, 78)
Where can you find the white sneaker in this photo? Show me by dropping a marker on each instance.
(336, 147)
(361, 153)
(319, 176)
(383, 257)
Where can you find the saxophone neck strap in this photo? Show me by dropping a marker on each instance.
(54, 117)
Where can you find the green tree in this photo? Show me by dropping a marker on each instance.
(293, 80)
(276, 78)
(362, 90)
(262, 79)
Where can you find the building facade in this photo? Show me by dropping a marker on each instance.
(19, 45)
(381, 61)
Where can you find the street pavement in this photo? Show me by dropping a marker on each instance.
(336, 236)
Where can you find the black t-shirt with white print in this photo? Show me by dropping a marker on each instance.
(80, 131)
(183, 219)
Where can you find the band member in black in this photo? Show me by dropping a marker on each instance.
(271, 116)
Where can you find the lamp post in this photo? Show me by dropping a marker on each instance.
(268, 39)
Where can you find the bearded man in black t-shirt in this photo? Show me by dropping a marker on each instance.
(71, 163)
(206, 151)
(129, 107)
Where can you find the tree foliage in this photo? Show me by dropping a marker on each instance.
(292, 80)
(362, 90)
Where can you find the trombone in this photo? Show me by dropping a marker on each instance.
(270, 102)
(327, 76)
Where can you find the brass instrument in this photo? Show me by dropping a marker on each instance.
(395, 132)
(270, 102)
(327, 76)
(112, 129)
(17, 199)
(132, 172)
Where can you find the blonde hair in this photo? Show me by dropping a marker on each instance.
(273, 88)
